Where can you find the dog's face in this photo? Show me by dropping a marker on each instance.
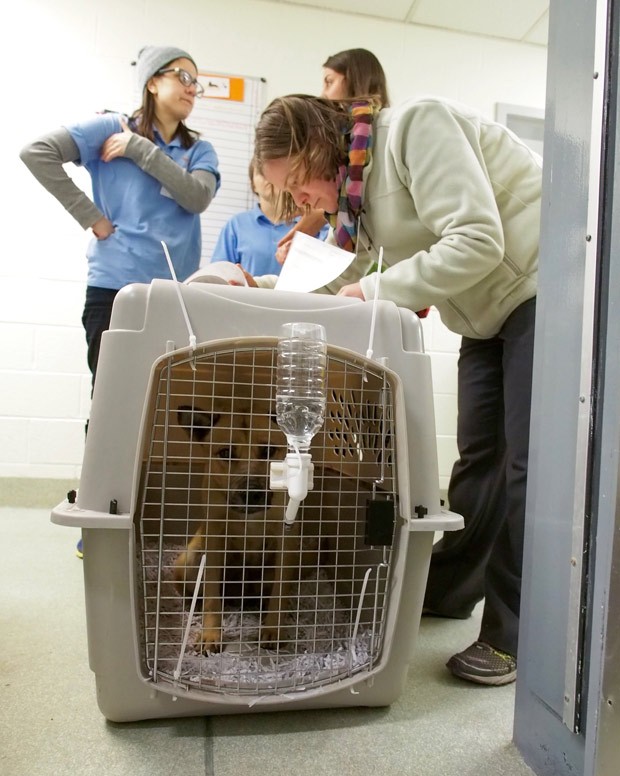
(238, 448)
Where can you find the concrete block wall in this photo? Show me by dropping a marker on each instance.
(74, 60)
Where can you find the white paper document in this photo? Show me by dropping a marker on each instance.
(311, 263)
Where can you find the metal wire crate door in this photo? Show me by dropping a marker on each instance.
(207, 440)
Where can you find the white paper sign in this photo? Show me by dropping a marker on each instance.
(311, 263)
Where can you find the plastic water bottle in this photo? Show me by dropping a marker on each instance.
(300, 386)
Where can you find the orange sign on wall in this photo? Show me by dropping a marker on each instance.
(222, 87)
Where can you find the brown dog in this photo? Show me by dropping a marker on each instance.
(244, 520)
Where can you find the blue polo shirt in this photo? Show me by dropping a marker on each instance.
(251, 239)
(142, 211)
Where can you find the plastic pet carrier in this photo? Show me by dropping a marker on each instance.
(212, 584)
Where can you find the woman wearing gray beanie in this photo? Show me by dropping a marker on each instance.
(151, 179)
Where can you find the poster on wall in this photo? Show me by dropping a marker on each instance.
(226, 116)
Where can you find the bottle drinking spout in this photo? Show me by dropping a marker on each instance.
(300, 405)
(299, 482)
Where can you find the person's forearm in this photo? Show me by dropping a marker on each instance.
(191, 190)
(45, 158)
(311, 222)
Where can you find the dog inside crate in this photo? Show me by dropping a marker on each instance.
(231, 599)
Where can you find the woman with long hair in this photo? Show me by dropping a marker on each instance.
(151, 177)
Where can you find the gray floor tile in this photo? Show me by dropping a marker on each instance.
(49, 720)
(439, 727)
(50, 723)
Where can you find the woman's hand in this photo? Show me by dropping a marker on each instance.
(310, 223)
(282, 250)
(102, 228)
(354, 289)
(116, 144)
(248, 278)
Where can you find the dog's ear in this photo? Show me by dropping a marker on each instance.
(196, 422)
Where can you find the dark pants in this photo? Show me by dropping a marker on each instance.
(96, 320)
(488, 483)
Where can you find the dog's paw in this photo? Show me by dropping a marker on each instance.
(209, 640)
(210, 637)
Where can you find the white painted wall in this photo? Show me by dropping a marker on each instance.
(64, 59)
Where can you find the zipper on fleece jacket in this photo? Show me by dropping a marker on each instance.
(514, 266)
(361, 231)
(463, 317)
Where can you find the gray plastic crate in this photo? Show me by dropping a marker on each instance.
(359, 550)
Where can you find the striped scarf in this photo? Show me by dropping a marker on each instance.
(350, 178)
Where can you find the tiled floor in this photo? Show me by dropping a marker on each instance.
(50, 724)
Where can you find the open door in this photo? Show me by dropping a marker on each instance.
(567, 715)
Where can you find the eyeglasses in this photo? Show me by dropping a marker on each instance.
(187, 79)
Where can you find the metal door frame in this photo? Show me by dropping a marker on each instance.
(567, 686)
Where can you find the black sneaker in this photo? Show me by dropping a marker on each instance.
(483, 664)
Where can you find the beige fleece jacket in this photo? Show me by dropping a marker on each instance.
(454, 200)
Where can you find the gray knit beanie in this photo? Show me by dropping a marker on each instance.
(154, 58)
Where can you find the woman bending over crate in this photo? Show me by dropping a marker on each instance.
(453, 199)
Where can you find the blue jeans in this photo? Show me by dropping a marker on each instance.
(96, 320)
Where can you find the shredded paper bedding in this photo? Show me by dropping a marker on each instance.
(323, 647)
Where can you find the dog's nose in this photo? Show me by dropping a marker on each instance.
(250, 493)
